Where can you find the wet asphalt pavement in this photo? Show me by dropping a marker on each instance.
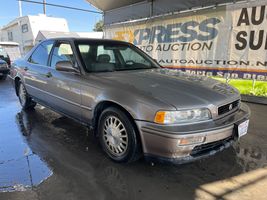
(44, 155)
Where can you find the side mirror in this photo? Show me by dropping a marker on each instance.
(66, 66)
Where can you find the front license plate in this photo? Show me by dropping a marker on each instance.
(243, 128)
(1, 74)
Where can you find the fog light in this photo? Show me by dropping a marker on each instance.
(190, 141)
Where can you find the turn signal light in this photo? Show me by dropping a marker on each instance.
(190, 141)
(160, 117)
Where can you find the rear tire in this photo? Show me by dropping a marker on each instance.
(25, 100)
(118, 137)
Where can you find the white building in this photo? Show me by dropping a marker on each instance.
(42, 35)
(98, 35)
(24, 30)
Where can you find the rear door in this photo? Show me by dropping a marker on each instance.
(64, 87)
(35, 70)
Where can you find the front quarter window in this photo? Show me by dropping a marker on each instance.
(41, 53)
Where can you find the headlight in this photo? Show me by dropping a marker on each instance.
(182, 116)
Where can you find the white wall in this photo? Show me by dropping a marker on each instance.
(90, 34)
(35, 24)
(44, 23)
(17, 35)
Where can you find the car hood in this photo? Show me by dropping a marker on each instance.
(176, 88)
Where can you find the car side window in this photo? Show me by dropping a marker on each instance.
(41, 53)
(62, 52)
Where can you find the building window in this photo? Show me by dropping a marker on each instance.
(24, 28)
(10, 36)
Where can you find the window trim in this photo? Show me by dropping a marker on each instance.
(24, 25)
(30, 57)
(10, 35)
(57, 43)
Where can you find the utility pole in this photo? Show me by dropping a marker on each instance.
(44, 6)
(20, 9)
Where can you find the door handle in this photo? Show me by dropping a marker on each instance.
(26, 68)
(49, 75)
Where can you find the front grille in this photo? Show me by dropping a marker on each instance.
(207, 148)
(228, 107)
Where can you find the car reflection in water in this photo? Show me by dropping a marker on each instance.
(81, 170)
(20, 168)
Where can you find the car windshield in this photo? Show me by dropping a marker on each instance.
(102, 57)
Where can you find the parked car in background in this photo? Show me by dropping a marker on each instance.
(4, 56)
(4, 69)
(10, 51)
(134, 106)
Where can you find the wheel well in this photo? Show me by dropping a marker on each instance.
(17, 80)
(105, 104)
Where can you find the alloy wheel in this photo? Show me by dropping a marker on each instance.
(115, 136)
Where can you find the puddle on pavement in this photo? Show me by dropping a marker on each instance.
(23, 173)
(250, 157)
(20, 168)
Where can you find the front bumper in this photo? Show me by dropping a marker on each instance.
(161, 141)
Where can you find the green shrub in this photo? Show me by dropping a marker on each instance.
(259, 88)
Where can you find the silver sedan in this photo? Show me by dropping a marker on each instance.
(135, 107)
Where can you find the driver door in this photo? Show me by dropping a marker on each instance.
(64, 87)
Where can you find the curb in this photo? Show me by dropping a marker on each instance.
(254, 99)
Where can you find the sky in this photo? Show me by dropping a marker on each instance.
(78, 21)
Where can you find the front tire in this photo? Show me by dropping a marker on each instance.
(25, 100)
(117, 136)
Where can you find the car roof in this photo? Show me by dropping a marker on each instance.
(88, 40)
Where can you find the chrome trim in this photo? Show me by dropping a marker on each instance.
(86, 108)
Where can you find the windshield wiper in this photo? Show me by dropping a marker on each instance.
(102, 71)
(124, 69)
